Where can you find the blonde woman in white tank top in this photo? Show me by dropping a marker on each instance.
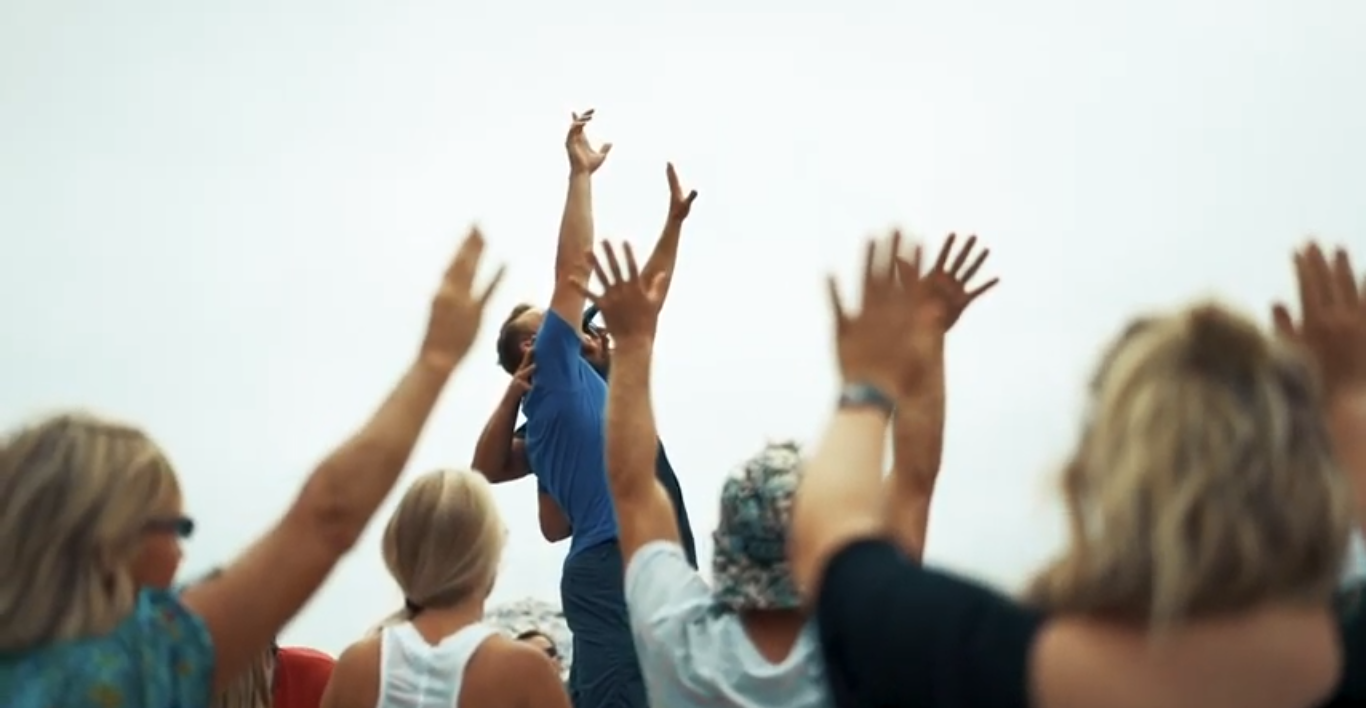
(442, 546)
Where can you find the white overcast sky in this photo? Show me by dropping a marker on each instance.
(223, 221)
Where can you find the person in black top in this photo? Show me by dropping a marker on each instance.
(1209, 520)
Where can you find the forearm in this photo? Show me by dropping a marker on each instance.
(576, 227)
(665, 255)
(1347, 424)
(917, 448)
(347, 488)
(841, 496)
(494, 446)
(631, 430)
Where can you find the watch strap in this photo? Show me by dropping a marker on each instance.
(866, 395)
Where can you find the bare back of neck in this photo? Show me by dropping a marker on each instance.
(437, 623)
(773, 632)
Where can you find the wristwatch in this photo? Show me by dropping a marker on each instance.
(865, 395)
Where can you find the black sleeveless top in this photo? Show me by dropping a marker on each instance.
(970, 650)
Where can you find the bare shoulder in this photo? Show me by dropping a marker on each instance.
(497, 658)
(1262, 658)
(355, 677)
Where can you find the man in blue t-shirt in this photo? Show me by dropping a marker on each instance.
(564, 401)
(554, 524)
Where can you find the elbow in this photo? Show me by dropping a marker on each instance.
(331, 514)
(554, 527)
(555, 535)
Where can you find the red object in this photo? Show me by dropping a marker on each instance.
(301, 675)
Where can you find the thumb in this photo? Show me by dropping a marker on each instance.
(1280, 317)
(606, 148)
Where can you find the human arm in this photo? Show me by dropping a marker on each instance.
(938, 298)
(576, 223)
(917, 447)
(499, 454)
(644, 512)
(1347, 425)
(246, 605)
(665, 254)
(630, 305)
(840, 498)
(555, 526)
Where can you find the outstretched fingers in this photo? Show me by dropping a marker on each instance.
(961, 259)
(632, 271)
(612, 264)
(981, 290)
(941, 261)
(908, 269)
(598, 272)
(836, 304)
(464, 266)
(1283, 322)
(977, 264)
(460, 272)
(1344, 280)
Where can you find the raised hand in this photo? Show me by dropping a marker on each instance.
(457, 308)
(583, 158)
(943, 293)
(865, 341)
(680, 204)
(629, 304)
(521, 378)
(1332, 324)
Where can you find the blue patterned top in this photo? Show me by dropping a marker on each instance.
(161, 656)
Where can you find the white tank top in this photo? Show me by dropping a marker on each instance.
(415, 674)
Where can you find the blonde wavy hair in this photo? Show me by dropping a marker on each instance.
(1204, 483)
(253, 688)
(76, 494)
(444, 542)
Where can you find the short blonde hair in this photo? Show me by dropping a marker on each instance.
(76, 494)
(444, 542)
(1205, 481)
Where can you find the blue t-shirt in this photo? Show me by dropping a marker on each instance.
(565, 436)
(160, 656)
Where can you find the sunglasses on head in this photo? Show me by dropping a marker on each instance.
(180, 526)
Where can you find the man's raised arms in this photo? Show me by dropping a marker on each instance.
(630, 305)
(665, 254)
(576, 226)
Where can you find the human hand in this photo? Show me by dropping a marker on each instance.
(680, 204)
(942, 294)
(521, 378)
(629, 304)
(1332, 326)
(867, 348)
(583, 159)
(457, 309)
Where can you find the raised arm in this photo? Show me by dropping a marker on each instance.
(576, 226)
(247, 604)
(665, 254)
(939, 298)
(841, 497)
(1332, 329)
(630, 305)
(499, 454)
